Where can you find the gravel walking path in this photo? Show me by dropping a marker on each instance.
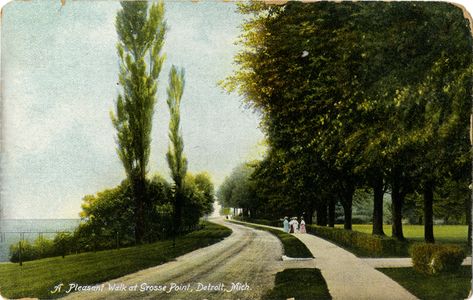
(249, 257)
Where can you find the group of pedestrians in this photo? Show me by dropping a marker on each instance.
(293, 226)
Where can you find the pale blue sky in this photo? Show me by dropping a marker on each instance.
(59, 70)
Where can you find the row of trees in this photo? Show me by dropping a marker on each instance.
(147, 207)
(368, 95)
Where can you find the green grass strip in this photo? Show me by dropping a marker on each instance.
(447, 234)
(293, 247)
(37, 278)
(433, 287)
(300, 284)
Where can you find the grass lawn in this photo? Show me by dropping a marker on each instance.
(37, 278)
(443, 286)
(301, 284)
(456, 234)
(293, 247)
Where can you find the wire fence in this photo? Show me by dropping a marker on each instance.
(17, 240)
(8, 236)
(22, 240)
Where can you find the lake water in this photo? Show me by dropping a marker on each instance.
(11, 231)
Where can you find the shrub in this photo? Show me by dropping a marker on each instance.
(448, 259)
(44, 247)
(434, 258)
(421, 255)
(28, 252)
(41, 248)
(363, 243)
(63, 243)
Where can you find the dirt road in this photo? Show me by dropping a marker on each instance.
(242, 266)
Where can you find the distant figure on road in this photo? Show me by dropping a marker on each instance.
(291, 226)
(302, 230)
(286, 224)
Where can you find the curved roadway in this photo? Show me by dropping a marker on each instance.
(242, 266)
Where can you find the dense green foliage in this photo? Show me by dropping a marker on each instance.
(451, 204)
(434, 259)
(108, 218)
(357, 95)
(141, 36)
(238, 190)
(198, 195)
(37, 278)
(304, 284)
(293, 247)
(454, 286)
(109, 214)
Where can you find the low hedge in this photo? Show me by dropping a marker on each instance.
(274, 223)
(362, 244)
(433, 258)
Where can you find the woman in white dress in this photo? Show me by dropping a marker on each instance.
(296, 225)
(291, 226)
(302, 230)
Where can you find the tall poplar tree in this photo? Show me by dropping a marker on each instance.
(175, 157)
(141, 36)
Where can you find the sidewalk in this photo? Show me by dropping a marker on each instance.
(349, 277)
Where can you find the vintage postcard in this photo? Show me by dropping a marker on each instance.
(235, 150)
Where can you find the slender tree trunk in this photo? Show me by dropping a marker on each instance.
(469, 232)
(468, 218)
(308, 215)
(378, 192)
(347, 210)
(428, 214)
(178, 211)
(322, 215)
(139, 195)
(397, 201)
(347, 204)
(331, 213)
